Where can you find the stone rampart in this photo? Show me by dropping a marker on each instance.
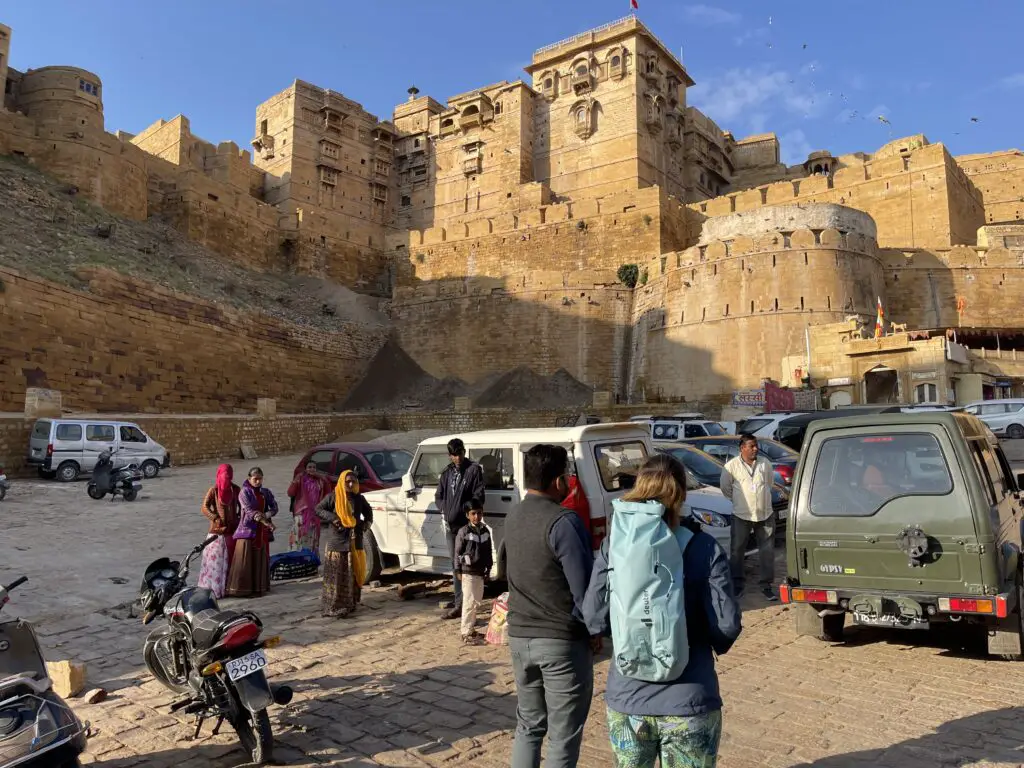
(126, 345)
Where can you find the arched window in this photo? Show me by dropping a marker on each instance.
(616, 61)
(447, 122)
(581, 115)
(470, 110)
(549, 84)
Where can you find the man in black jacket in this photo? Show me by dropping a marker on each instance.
(549, 565)
(459, 489)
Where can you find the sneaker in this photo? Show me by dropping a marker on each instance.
(473, 639)
(769, 595)
(453, 613)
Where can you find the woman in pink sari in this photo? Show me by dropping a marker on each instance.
(306, 492)
(220, 507)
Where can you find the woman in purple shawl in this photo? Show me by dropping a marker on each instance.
(250, 565)
(306, 491)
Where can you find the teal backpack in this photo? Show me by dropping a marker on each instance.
(645, 593)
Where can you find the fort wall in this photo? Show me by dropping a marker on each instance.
(920, 198)
(724, 314)
(999, 176)
(127, 344)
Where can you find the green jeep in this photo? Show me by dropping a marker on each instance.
(905, 520)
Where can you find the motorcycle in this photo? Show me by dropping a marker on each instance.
(121, 481)
(213, 658)
(4, 483)
(37, 728)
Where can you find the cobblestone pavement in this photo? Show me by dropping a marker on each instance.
(391, 686)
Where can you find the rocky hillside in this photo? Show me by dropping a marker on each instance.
(48, 230)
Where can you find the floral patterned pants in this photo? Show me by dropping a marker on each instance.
(681, 742)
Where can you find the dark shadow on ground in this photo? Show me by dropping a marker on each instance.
(988, 737)
(424, 710)
(961, 641)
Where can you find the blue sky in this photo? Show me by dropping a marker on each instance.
(926, 67)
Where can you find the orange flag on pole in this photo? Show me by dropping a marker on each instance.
(880, 321)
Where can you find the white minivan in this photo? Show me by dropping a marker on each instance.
(407, 529)
(66, 448)
(1003, 417)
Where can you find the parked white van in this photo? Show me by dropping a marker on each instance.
(1003, 417)
(66, 448)
(407, 527)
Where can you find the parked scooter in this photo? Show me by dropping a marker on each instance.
(4, 482)
(213, 658)
(37, 729)
(117, 481)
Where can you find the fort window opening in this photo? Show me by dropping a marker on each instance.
(406, 201)
(616, 61)
(415, 142)
(263, 127)
(581, 70)
(497, 107)
(548, 84)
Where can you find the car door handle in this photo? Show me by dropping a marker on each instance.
(506, 498)
(803, 558)
(871, 539)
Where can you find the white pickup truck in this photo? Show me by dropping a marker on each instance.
(407, 530)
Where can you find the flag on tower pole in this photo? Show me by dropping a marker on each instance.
(879, 321)
(634, 5)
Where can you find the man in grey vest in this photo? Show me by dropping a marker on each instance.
(549, 562)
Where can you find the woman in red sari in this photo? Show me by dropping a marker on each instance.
(220, 507)
(306, 491)
(250, 565)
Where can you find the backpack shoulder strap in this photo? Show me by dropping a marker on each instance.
(683, 535)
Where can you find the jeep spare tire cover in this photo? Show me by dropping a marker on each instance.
(912, 542)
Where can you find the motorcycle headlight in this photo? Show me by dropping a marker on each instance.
(707, 517)
(47, 727)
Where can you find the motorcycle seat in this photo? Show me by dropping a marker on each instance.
(208, 625)
(199, 600)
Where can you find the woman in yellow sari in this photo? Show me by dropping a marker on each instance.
(346, 514)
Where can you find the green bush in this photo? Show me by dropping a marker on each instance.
(628, 274)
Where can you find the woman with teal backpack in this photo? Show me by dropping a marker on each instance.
(662, 697)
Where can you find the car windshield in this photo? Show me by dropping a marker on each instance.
(698, 462)
(752, 425)
(714, 428)
(390, 465)
(775, 451)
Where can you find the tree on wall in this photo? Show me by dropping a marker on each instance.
(628, 274)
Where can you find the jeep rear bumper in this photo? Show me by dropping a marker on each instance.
(933, 606)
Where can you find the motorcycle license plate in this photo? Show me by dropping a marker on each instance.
(246, 665)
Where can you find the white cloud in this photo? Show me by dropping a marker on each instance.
(1012, 81)
(751, 35)
(751, 95)
(794, 147)
(710, 15)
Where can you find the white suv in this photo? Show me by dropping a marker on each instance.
(1003, 417)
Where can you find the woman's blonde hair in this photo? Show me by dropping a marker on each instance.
(662, 479)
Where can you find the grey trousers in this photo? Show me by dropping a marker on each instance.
(555, 685)
(764, 535)
(456, 581)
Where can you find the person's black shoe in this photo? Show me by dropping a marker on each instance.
(769, 595)
(452, 613)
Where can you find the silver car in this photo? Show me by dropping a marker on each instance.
(1003, 417)
(66, 448)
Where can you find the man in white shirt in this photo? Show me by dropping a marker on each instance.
(747, 481)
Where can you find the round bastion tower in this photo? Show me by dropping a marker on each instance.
(734, 309)
(66, 95)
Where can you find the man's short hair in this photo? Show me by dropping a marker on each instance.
(543, 464)
(746, 437)
(456, 447)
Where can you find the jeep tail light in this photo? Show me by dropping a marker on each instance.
(970, 605)
(49, 449)
(240, 634)
(801, 595)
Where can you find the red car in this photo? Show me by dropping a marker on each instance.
(376, 466)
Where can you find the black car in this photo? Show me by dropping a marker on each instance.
(723, 448)
(707, 470)
(790, 432)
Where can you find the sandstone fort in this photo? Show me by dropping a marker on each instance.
(583, 226)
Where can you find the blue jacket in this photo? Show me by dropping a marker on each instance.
(712, 623)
